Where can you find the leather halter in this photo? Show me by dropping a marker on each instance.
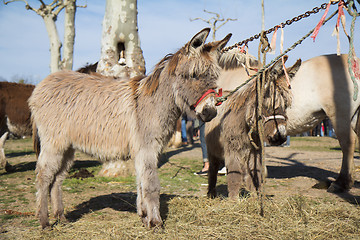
(207, 93)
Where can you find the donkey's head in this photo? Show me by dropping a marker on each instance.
(277, 98)
(196, 70)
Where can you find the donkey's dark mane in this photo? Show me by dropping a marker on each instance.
(148, 85)
(247, 95)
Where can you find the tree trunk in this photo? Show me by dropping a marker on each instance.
(55, 44)
(121, 55)
(69, 34)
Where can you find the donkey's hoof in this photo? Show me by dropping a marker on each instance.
(336, 188)
(212, 194)
(45, 225)
(152, 223)
(9, 168)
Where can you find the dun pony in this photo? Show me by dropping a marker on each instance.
(321, 88)
(120, 118)
(231, 136)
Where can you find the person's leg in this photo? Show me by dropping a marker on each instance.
(183, 130)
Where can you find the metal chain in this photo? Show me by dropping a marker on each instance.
(283, 24)
(224, 98)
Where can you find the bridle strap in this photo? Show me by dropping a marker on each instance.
(274, 117)
(207, 93)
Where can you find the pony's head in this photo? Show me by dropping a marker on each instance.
(196, 69)
(277, 98)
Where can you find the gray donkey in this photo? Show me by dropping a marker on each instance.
(120, 118)
(231, 136)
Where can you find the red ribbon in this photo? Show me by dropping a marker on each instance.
(242, 50)
(340, 13)
(321, 22)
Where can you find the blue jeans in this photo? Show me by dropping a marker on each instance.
(202, 141)
(183, 130)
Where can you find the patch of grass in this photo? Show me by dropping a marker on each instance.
(179, 173)
(15, 147)
(23, 199)
(30, 222)
(306, 139)
(6, 217)
(323, 144)
(74, 185)
(7, 200)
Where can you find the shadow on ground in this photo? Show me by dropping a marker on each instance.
(292, 168)
(118, 202)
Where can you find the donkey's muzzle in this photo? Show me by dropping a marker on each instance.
(278, 137)
(207, 113)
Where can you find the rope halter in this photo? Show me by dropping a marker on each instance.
(219, 94)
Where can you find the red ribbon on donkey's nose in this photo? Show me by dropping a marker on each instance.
(207, 93)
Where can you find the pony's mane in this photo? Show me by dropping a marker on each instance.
(234, 58)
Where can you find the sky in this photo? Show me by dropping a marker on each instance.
(164, 27)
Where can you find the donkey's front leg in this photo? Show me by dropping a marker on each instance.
(214, 164)
(148, 199)
(236, 170)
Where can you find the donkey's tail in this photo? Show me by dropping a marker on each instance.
(36, 140)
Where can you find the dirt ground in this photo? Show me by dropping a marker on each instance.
(305, 168)
(292, 170)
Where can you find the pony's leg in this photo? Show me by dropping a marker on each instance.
(345, 180)
(235, 174)
(148, 199)
(214, 164)
(56, 192)
(48, 164)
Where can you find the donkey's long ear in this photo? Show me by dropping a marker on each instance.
(198, 40)
(294, 68)
(222, 43)
(277, 68)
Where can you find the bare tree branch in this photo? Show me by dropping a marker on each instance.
(49, 12)
(213, 21)
(227, 20)
(6, 2)
(27, 6)
(82, 6)
(216, 14)
(43, 5)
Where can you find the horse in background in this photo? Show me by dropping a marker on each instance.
(14, 114)
(231, 136)
(117, 118)
(321, 88)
